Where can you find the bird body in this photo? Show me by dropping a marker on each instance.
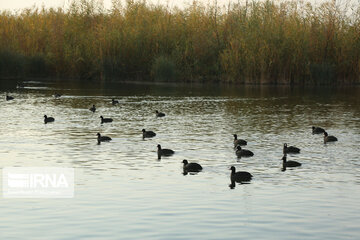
(164, 152)
(240, 142)
(8, 98)
(159, 114)
(191, 167)
(103, 138)
(148, 134)
(105, 120)
(57, 95)
(243, 152)
(48, 119)
(114, 102)
(290, 163)
(328, 138)
(93, 108)
(239, 176)
(290, 149)
(317, 130)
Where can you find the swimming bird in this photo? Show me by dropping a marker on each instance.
(8, 98)
(148, 134)
(240, 142)
(191, 167)
(164, 152)
(317, 130)
(103, 138)
(290, 163)
(114, 102)
(57, 95)
(159, 114)
(48, 119)
(290, 149)
(243, 152)
(239, 176)
(328, 138)
(105, 120)
(93, 108)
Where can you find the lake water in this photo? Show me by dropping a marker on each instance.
(122, 191)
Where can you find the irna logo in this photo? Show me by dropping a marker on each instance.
(41, 182)
(37, 180)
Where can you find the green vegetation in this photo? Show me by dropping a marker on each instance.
(254, 42)
(164, 69)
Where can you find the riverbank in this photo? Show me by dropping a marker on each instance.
(59, 85)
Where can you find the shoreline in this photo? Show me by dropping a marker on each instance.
(71, 80)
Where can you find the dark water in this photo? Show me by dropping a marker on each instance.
(122, 191)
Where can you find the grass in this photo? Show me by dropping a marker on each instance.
(268, 42)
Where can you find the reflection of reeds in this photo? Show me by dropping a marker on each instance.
(257, 42)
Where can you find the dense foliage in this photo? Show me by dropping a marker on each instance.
(254, 42)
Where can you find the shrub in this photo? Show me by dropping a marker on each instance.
(36, 66)
(11, 64)
(163, 69)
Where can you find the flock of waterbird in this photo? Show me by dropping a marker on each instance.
(239, 177)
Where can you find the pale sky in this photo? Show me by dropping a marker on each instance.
(20, 4)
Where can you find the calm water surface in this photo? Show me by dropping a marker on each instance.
(122, 191)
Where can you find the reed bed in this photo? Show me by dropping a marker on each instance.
(268, 42)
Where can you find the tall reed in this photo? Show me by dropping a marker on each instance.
(264, 42)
